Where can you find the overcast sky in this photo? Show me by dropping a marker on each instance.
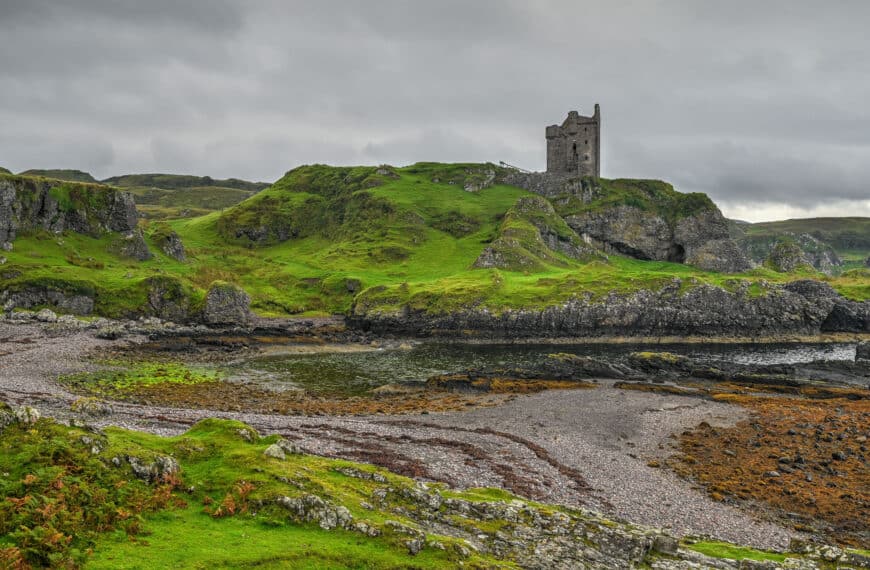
(765, 105)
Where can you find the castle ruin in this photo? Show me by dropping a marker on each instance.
(575, 146)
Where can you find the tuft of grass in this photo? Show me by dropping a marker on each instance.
(716, 549)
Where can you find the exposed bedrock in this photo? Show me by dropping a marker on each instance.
(649, 220)
(801, 307)
(35, 203)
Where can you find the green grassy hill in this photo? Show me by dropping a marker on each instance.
(60, 174)
(322, 237)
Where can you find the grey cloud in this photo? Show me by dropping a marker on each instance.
(751, 102)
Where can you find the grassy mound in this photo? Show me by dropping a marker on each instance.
(533, 237)
(61, 174)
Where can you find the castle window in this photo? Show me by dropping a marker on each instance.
(586, 141)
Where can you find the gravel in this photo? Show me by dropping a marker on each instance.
(585, 448)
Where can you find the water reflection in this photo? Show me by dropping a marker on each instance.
(358, 372)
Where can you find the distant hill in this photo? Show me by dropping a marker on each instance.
(5, 170)
(179, 181)
(61, 174)
(848, 237)
(160, 196)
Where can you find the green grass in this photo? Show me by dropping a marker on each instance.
(190, 539)
(724, 550)
(119, 377)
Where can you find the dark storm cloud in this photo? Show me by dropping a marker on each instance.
(756, 103)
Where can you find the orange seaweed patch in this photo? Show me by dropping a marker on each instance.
(804, 459)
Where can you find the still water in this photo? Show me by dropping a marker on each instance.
(358, 372)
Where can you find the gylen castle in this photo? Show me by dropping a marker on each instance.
(575, 146)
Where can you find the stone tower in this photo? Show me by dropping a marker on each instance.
(575, 146)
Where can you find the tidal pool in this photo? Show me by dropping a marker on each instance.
(359, 372)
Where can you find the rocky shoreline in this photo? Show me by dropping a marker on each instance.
(603, 440)
(804, 307)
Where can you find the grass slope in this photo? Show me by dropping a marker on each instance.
(314, 240)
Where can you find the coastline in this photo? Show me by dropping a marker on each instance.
(536, 445)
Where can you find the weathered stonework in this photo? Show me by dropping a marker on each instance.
(575, 146)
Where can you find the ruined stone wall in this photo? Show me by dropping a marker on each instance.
(574, 147)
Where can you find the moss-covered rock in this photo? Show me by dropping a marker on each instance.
(787, 256)
(30, 203)
(169, 242)
(533, 236)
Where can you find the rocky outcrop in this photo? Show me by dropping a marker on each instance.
(530, 235)
(793, 249)
(167, 299)
(131, 245)
(786, 256)
(643, 219)
(862, 351)
(67, 297)
(802, 307)
(226, 304)
(56, 206)
(170, 243)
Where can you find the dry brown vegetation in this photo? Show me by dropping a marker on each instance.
(803, 461)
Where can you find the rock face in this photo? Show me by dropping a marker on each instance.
(786, 256)
(64, 296)
(862, 352)
(801, 307)
(171, 245)
(642, 219)
(226, 304)
(56, 206)
(530, 235)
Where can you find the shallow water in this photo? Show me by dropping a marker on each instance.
(358, 372)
